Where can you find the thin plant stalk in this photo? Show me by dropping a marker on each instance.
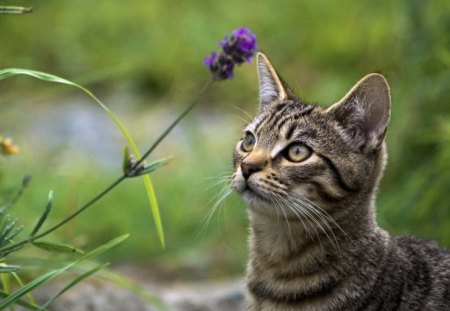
(9, 72)
(114, 184)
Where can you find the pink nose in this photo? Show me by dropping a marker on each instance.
(249, 168)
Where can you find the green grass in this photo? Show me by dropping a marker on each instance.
(146, 56)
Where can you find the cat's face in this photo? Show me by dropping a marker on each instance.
(293, 155)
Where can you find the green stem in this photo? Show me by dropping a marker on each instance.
(175, 122)
(6, 250)
(9, 249)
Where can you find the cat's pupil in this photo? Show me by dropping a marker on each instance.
(297, 153)
(248, 142)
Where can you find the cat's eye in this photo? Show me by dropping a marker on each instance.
(248, 142)
(297, 152)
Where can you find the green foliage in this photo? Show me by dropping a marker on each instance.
(151, 51)
(12, 298)
(131, 168)
(11, 72)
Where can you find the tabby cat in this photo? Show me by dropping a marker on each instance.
(309, 177)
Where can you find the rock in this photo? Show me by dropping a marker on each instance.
(102, 296)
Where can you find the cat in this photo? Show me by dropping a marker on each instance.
(309, 177)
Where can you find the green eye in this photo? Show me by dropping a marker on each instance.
(297, 152)
(248, 142)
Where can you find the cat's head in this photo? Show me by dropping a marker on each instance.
(293, 154)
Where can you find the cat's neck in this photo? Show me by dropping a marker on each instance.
(273, 240)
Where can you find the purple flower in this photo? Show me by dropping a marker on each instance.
(209, 61)
(237, 48)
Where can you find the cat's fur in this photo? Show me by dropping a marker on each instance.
(315, 243)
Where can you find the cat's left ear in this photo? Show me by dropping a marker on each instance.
(271, 87)
(365, 111)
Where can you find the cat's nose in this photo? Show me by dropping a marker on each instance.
(248, 168)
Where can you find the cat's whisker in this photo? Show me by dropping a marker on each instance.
(320, 210)
(313, 213)
(217, 180)
(317, 209)
(277, 206)
(298, 213)
(241, 119)
(250, 118)
(275, 198)
(308, 217)
(219, 200)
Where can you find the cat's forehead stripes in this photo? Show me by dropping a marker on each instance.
(280, 114)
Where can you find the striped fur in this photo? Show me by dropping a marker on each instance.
(315, 243)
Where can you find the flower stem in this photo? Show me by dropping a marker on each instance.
(5, 251)
(175, 122)
(9, 249)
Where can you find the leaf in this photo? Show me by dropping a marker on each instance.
(57, 248)
(21, 302)
(7, 230)
(4, 268)
(154, 206)
(44, 215)
(14, 9)
(131, 286)
(126, 160)
(52, 274)
(154, 166)
(9, 238)
(20, 282)
(10, 72)
(25, 182)
(72, 284)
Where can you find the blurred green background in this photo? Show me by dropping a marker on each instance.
(144, 60)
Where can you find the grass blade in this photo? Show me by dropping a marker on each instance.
(21, 284)
(73, 283)
(154, 166)
(44, 215)
(4, 268)
(25, 182)
(14, 9)
(21, 302)
(134, 288)
(57, 248)
(7, 230)
(10, 72)
(52, 274)
(9, 238)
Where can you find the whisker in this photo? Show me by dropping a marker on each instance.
(219, 198)
(327, 216)
(276, 202)
(250, 118)
(297, 213)
(322, 216)
(309, 218)
(325, 229)
(217, 180)
(241, 119)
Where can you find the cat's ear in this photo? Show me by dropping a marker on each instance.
(365, 111)
(271, 86)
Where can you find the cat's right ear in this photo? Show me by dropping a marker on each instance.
(271, 87)
(365, 111)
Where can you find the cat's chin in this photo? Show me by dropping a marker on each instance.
(251, 197)
(258, 203)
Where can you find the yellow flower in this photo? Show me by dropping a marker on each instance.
(7, 147)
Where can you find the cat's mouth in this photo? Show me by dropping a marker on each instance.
(250, 192)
